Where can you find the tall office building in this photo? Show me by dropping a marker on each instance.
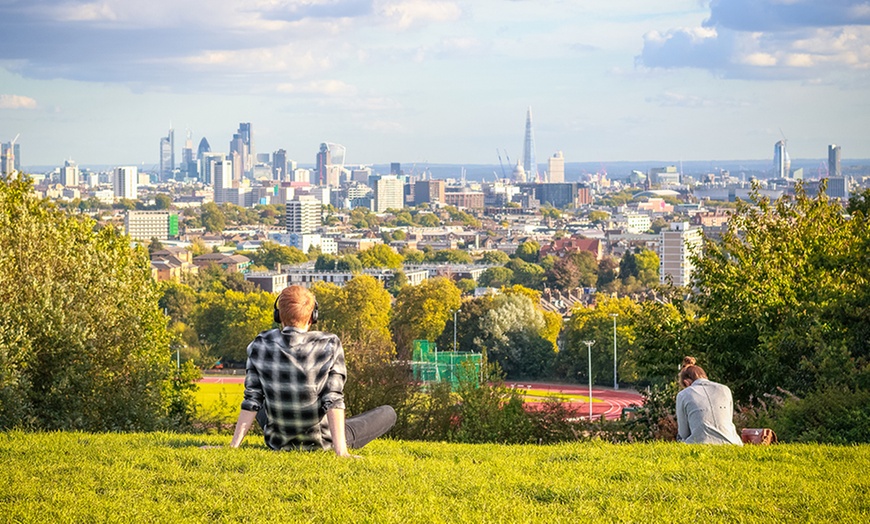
(242, 144)
(279, 165)
(10, 157)
(834, 161)
(556, 168)
(222, 173)
(69, 174)
(324, 160)
(429, 191)
(188, 162)
(167, 155)
(303, 214)
(677, 246)
(389, 193)
(206, 166)
(203, 148)
(125, 182)
(396, 168)
(781, 160)
(529, 163)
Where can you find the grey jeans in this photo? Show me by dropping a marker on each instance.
(359, 429)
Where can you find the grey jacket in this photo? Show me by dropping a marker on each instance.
(704, 414)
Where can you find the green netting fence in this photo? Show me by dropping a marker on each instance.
(431, 365)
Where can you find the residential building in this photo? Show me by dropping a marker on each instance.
(229, 263)
(678, 245)
(465, 199)
(145, 225)
(125, 182)
(389, 193)
(303, 215)
(563, 246)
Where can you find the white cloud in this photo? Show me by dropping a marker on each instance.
(319, 87)
(405, 14)
(17, 102)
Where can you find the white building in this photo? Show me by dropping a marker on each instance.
(144, 225)
(303, 215)
(389, 193)
(124, 182)
(678, 245)
(556, 168)
(222, 173)
(69, 174)
(634, 222)
(304, 242)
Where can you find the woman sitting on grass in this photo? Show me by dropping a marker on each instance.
(705, 409)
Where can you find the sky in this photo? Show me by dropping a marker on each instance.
(441, 81)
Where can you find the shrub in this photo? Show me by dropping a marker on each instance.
(832, 416)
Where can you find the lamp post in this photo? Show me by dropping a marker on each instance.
(589, 344)
(615, 384)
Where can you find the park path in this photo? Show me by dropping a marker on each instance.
(610, 402)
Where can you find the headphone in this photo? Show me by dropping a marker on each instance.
(276, 315)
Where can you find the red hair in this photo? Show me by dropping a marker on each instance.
(295, 305)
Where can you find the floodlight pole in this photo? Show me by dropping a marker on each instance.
(615, 384)
(454, 329)
(589, 344)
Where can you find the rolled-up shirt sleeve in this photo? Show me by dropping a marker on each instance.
(332, 395)
(253, 400)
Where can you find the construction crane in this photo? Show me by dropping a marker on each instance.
(503, 174)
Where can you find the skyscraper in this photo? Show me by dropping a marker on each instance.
(834, 161)
(10, 157)
(188, 163)
(222, 171)
(125, 182)
(324, 161)
(242, 144)
(167, 155)
(556, 168)
(781, 161)
(206, 166)
(204, 148)
(279, 165)
(69, 174)
(389, 193)
(529, 163)
(678, 245)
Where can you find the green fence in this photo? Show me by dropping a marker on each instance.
(431, 365)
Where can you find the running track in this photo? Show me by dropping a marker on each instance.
(610, 402)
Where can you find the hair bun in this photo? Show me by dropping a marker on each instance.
(689, 361)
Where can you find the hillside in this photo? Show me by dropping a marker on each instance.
(160, 477)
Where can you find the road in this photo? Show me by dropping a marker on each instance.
(610, 402)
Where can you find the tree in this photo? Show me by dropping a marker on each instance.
(496, 277)
(498, 258)
(229, 321)
(528, 251)
(349, 263)
(525, 274)
(860, 202)
(271, 254)
(576, 269)
(596, 324)
(413, 256)
(213, 218)
(466, 285)
(607, 270)
(154, 245)
(453, 256)
(83, 343)
(380, 255)
(359, 311)
(162, 201)
(784, 299)
(422, 311)
(325, 262)
(510, 333)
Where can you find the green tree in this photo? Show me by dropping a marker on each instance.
(466, 285)
(325, 262)
(349, 263)
(576, 269)
(421, 311)
(359, 311)
(413, 256)
(525, 274)
(213, 218)
(271, 254)
(784, 298)
(510, 333)
(162, 201)
(229, 321)
(83, 343)
(453, 256)
(496, 277)
(380, 255)
(529, 251)
(499, 258)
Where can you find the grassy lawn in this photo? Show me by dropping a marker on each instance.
(219, 402)
(77, 477)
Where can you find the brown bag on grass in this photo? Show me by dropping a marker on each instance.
(760, 436)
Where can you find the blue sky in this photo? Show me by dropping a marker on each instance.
(438, 81)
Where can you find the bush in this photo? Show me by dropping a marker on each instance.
(831, 416)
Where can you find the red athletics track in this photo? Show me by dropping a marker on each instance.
(610, 402)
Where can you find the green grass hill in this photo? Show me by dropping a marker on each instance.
(161, 477)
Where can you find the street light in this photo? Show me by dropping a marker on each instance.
(589, 344)
(615, 384)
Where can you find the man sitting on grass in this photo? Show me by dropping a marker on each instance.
(294, 383)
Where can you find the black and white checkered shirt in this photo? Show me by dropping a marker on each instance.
(296, 376)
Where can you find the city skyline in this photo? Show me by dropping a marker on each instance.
(437, 81)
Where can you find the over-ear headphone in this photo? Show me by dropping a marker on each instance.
(276, 315)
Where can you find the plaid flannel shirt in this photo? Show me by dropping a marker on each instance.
(296, 376)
